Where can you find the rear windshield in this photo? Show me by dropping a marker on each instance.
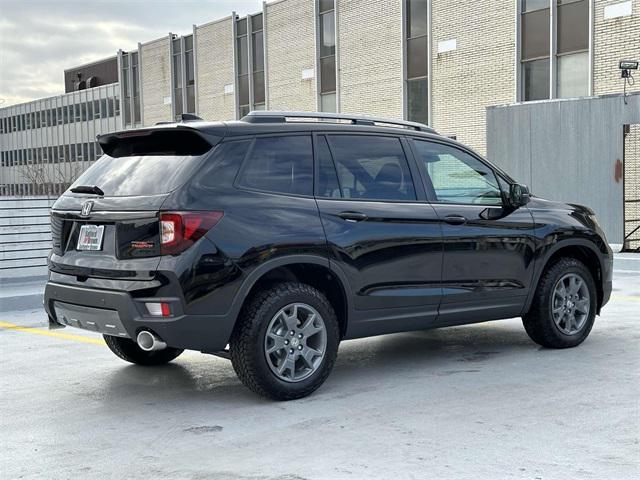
(138, 174)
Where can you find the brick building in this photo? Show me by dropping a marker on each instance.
(441, 62)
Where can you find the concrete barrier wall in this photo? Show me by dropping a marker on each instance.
(25, 236)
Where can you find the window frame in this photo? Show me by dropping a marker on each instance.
(418, 186)
(426, 179)
(245, 162)
(553, 55)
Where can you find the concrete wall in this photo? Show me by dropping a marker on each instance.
(25, 236)
(480, 72)
(215, 69)
(155, 73)
(370, 57)
(290, 47)
(567, 150)
(615, 39)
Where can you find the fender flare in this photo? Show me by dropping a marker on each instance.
(269, 265)
(542, 263)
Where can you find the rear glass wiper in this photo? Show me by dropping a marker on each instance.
(88, 189)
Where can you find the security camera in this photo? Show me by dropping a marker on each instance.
(626, 65)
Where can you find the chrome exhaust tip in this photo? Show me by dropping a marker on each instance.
(149, 342)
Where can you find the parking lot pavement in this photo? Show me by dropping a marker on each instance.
(478, 401)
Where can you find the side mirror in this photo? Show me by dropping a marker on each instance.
(519, 195)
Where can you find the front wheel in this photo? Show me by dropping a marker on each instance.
(128, 350)
(286, 341)
(564, 307)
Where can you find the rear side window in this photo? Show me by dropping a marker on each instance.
(221, 168)
(282, 164)
(371, 167)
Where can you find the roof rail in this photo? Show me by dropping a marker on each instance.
(267, 116)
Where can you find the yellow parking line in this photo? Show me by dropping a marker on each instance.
(52, 333)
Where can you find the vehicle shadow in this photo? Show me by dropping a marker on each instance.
(439, 352)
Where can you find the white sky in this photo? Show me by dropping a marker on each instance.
(39, 39)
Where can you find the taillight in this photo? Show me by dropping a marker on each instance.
(180, 230)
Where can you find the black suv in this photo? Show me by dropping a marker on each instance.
(271, 239)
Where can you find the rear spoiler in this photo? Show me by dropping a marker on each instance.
(163, 140)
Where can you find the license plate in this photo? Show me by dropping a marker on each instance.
(90, 237)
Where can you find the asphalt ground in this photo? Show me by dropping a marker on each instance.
(471, 402)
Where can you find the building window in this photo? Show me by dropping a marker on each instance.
(183, 78)
(250, 64)
(130, 77)
(257, 63)
(416, 48)
(560, 69)
(242, 67)
(327, 55)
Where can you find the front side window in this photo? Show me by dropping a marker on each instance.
(371, 168)
(454, 176)
(282, 164)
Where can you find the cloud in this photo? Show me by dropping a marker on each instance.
(39, 39)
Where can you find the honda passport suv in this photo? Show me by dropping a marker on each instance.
(271, 239)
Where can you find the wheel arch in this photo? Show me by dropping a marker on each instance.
(582, 250)
(310, 269)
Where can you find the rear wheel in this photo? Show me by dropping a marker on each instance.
(286, 341)
(564, 308)
(129, 350)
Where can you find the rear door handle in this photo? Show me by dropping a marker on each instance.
(352, 216)
(455, 219)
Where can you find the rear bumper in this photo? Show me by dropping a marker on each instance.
(100, 310)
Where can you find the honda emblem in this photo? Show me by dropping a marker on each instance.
(86, 208)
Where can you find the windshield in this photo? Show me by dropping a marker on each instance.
(138, 175)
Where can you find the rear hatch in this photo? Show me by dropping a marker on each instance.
(107, 224)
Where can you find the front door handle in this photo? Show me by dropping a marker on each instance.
(455, 219)
(352, 216)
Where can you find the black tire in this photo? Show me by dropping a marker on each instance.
(129, 350)
(247, 344)
(539, 322)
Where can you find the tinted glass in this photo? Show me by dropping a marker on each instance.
(222, 167)
(416, 18)
(188, 59)
(573, 27)
(280, 164)
(456, 176)
(417, 57)
(137, 175)
(243, 90)
(241, 27)
(191, 99)
(188, 42)
(536, 79)
(258, 87)
(328, 185)
(177, 71)
(243, 56)
(417, 100)
(258, 52)
(573, 75)
(328, 74)
(327, 34)
(530, 5)
(535, 34)
(256, 22)
(324, 5)
(371, 167)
